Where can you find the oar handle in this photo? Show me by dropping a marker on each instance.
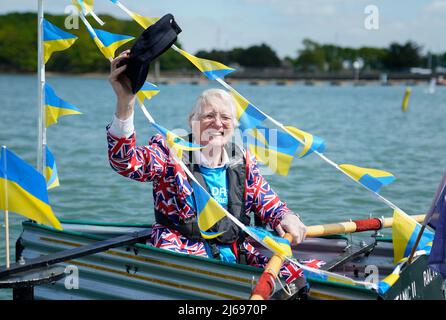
(353, 226)
(265, 286)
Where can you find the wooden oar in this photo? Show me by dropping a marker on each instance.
(353, 226)
(265, 285)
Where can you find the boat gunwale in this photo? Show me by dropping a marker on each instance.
(32, 224)
(137, 245)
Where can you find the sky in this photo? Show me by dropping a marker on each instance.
(282, 24)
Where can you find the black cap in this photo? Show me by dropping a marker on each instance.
(153, 42)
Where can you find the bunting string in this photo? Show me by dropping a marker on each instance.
(366, 183)
(271, 244)
(318, 273)
(86, 7)
(371, 179)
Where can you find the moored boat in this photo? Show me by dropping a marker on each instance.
(140, 271)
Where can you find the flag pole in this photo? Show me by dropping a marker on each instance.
(417, 241)
(6, 207)
(41, 134)
(423, 227)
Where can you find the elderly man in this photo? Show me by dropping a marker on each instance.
(230, 175)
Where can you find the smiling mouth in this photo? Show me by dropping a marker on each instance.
(216, 134)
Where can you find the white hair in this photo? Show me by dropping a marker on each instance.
(212, 97)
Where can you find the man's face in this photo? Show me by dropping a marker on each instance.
(215, 125)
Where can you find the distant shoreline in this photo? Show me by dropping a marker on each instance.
(307, 79)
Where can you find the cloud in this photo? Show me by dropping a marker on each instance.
(436, 7)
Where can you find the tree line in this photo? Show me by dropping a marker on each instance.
(18, 45)
(18, 52)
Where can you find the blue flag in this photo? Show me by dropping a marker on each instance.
(436, 219)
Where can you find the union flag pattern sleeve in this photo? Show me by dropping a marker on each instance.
(260, 198)
(141, 163)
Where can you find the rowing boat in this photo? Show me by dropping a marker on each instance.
(140, 271)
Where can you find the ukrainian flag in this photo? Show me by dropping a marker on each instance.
(175, 142)
(272, 147)
(248, 115)
(108, 42)
(311, 143)
(147, 91)
(144, 22)
(86, 6)
(405, 231)
(317, 274)
(55, 39)
(52, 179)
(387, 283)
(23, 190)
(209, 212)
(371, 178)
(56, 107)
(276, 244)
(211, 69)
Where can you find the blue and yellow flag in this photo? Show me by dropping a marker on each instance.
(248, 115)
(52, 179)
(56, 107)
(211, 69)
(55, 39)
(23, 190)
(311, 143)
(209, 212)
(404, 234)
(175, 142)
(147, 91)
(86, 7)
(371, 178)
(108, 42)
(387, 283)
(272, 147)
(276, 244)
(144, 22)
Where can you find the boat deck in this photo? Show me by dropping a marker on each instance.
(141, 271)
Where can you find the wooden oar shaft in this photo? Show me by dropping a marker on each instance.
(265, 285)
(353, 226)
(389, 221)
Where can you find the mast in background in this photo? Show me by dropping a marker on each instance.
(41, 134)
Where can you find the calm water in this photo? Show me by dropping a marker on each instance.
(361, 125)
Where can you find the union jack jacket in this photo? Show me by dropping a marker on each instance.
(153, 163)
